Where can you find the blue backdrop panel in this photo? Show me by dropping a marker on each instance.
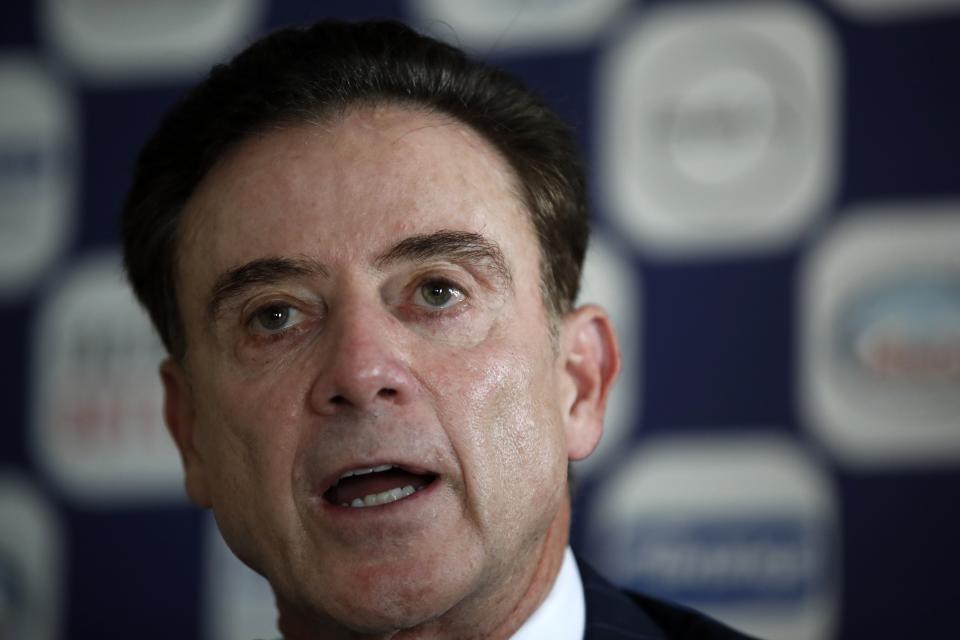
(777, 209)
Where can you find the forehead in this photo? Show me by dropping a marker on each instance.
(347, 189)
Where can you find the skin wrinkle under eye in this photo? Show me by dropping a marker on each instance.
(461, 325)
(291, 316)
(471, 252)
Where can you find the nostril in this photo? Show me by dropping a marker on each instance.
(360, 401)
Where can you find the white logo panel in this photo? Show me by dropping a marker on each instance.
(740, 526)
(98, 427)
(37, 138)
(31, 563)
(717, 126)
(609, 280)
(238, 603)
(138, 39)
(497, 25)
(881, 337)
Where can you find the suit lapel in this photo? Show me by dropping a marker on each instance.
(611, 613)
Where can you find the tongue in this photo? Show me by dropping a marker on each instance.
(354, 487)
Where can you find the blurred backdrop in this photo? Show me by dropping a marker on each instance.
(776, 188)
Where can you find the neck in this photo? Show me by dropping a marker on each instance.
(493, 615)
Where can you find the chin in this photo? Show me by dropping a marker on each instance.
(387, 597)
(381, 617)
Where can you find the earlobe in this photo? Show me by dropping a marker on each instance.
(592, 362)
(179, 415)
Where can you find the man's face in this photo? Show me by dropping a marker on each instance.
(361, 295)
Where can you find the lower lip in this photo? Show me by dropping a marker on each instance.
(388, 508)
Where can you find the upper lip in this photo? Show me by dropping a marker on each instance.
(331, 479)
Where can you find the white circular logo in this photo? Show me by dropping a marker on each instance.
(31, 562)
(741, 526)
(97, 403)
(37, 137)
(137, 39)
(880, 351)
(493, 26)
(717, 127)
(723, 126)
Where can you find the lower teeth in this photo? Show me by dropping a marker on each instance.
(385, 497)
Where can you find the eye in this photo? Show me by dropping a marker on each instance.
(439, 294)
(274, 319)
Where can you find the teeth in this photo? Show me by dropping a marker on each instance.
(385, 497)
(366, 470)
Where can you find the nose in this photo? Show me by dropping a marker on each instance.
(362, 366)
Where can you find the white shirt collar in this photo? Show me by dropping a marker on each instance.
(563, 615)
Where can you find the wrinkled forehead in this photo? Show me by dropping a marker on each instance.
(334, 178)
(379, 144)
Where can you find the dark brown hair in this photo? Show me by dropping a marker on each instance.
(308, 74)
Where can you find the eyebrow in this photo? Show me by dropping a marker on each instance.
(457, 246)
(262, 271)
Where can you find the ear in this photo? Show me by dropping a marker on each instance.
(179, 414)
(592, 361)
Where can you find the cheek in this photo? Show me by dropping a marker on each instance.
(503, 420)
(248, 439)
(248, 452)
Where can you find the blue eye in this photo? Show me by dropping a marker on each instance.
(275, 318)
(440, 294)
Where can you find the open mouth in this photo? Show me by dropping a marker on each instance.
(376, 486)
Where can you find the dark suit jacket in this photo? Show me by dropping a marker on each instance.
(614, 614)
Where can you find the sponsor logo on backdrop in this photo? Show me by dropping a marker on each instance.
(768, 559)
(31, 563)
(238, 603)
(896, 9)
(98, 429)
(135, 40)
(881, 337)
(610, 280)
(717, 126)
(497, 25)
(37, 136)
(742, 526)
